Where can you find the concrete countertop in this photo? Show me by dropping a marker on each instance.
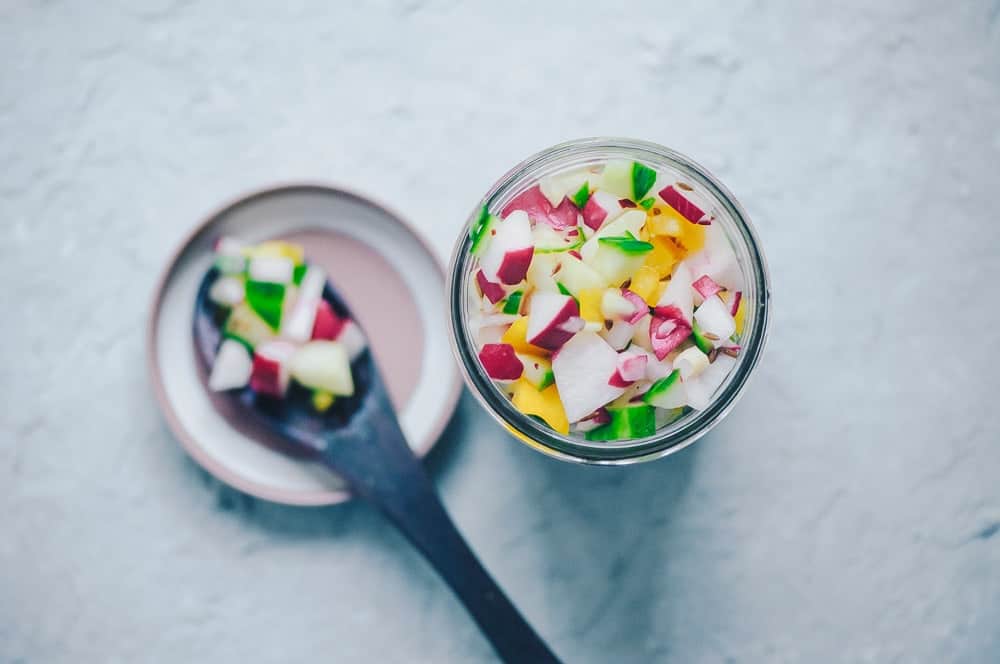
(847, 510)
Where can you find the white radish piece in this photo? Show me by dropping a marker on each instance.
(271, 269)
(615, 306)
(581, 369)
(620, 335)
(713, 318)
(353, 340)
(227, 291)
(231, 368)
(690, 362)
(700, 390)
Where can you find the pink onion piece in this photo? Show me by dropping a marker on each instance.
(735, 306)
(666, 334)
(540, 210)
(641, 308)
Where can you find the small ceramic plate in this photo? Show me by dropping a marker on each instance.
(390, 280)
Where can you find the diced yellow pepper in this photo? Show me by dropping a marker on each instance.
(545, 404)
(590, 304)
(516, 336)
(645, 282)
(322, 400)
(740, 315)
(664, 256)
(664, 220)
(277, 249)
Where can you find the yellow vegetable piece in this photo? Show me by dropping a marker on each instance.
(545, 404)
(322, 400)
(645, 283)
(740, 316)
(516, 336)
(664, 256)
(277, 249)
(590, 305)
(664, 220)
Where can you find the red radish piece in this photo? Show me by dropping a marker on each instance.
(616, 380)
(600, 208)
(538, 208)
(353, 340)
(666, 334)
(231, 368)
(735, 306)
(655, 370)
(271, 269)
(620, 334)
(326, 324)
(501, 362)
(270, 374)
(626, 203)
(675, 199)
(509, 254)
(632, 364)
(575, 254)
(553, 320)
(713, 318)
(678, 295)
(494, 292)
(598, 418)
(615, 306)
(641, 308)
(581, 369)
(299, 323)
(706, 286)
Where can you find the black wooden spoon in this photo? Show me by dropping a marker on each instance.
(360, 439)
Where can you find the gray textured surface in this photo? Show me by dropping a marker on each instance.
(849, 508)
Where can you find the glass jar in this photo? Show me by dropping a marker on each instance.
(733, 220)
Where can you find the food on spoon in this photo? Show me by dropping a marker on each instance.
(279, 328)
(606, 301)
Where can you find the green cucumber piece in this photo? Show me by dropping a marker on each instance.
(643, 178)
(481, 232)
(703, 344)
(267, 299)
(647, 203)
(298, 273)
(628, 244)
(581, 196)
(666, 392)
(633, 421)
(512, 304)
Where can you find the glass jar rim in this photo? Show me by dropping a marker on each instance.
(671, 438)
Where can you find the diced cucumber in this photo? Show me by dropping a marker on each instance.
(245, 326)
(267, 299)
(667, 392)
(481, 232)
(512, 305)
(636, 420)
(703, 344)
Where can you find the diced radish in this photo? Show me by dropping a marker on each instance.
(690, 362)
(551, 320)
(501, 362)
(700, 390)
(706, 286)
(271, 269)
(598, 418)
(616, 306)
(270, 372)
(656, 369)
(353, 340)
(228, 245)
(231, 368)
(619, 335)
(326, 324)
(673, 197)
(323, 365)
(626, 203)
(640, 333)
(616, 380)
(494, 292)
(557, 187)
(300, 321)
(229, 255)
(509, 254)
(714, 319)
(677, 294)
(665, 334)
(581, 369)
(641, 308)
(492, 334)
(538, 208)
(632, 364)
(227, 291)
(540, 273)
(601, 208)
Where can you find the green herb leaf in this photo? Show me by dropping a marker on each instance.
(628, 244)
(581, 196)
(647, 203)
(643, 178)
(513, 303)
